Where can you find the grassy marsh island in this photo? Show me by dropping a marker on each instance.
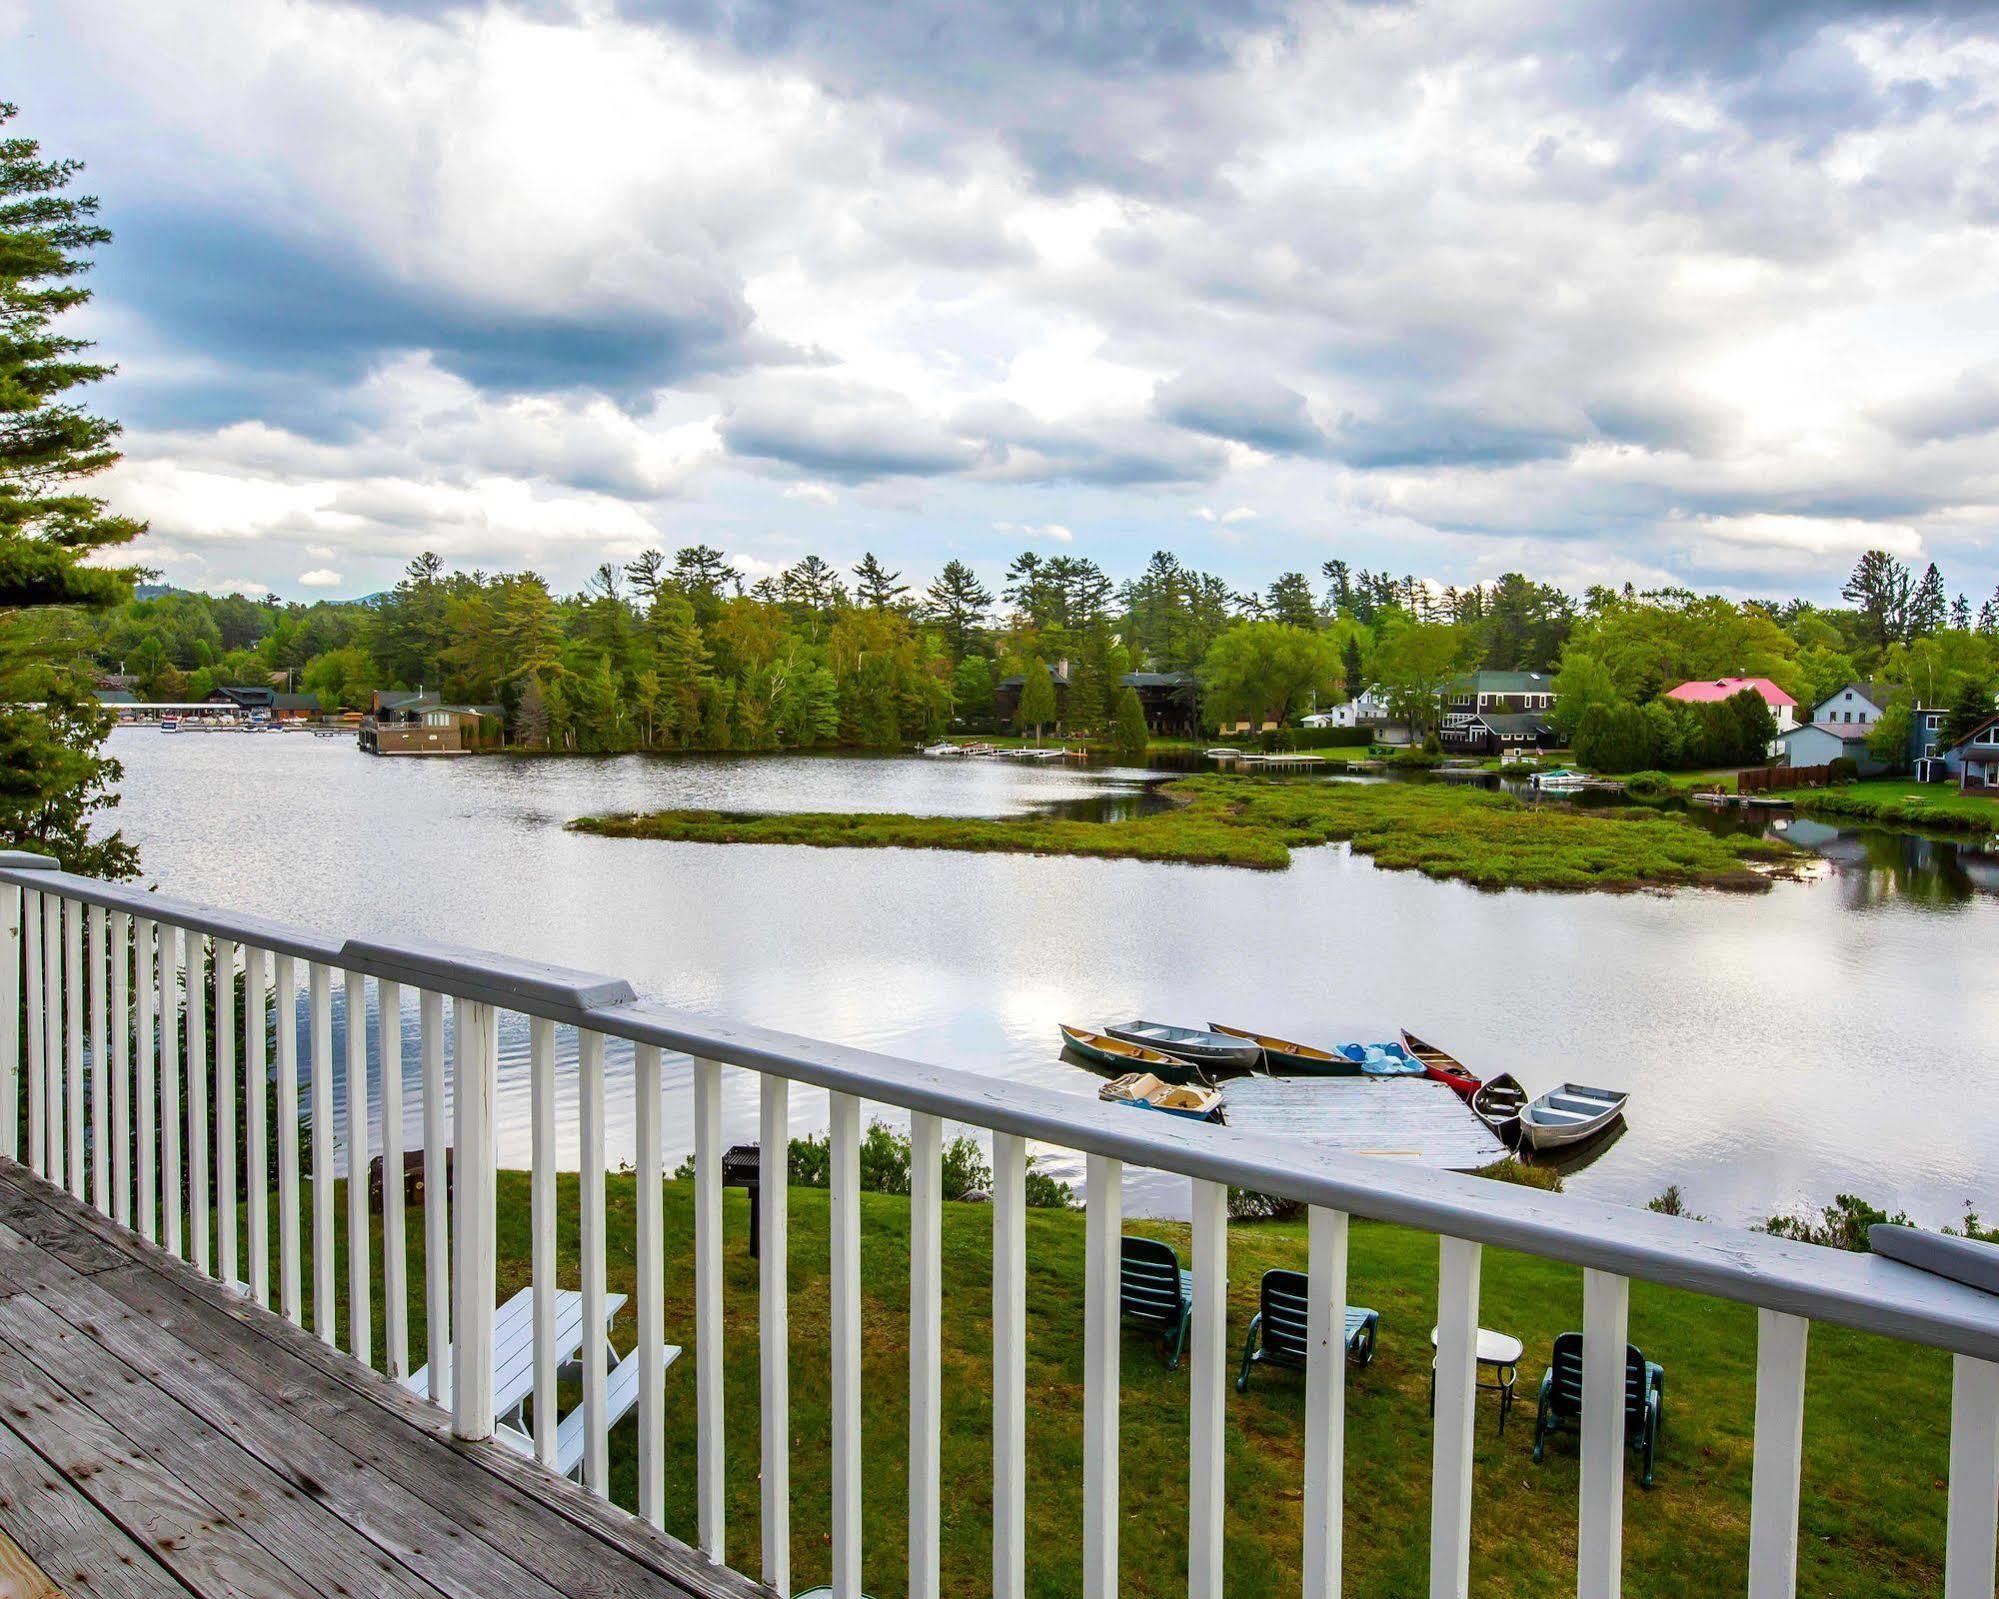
(1490, 840)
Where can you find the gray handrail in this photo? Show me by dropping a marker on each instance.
(1867, 1292)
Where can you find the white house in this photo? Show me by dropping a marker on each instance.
(1366, 708)
(1853, 705)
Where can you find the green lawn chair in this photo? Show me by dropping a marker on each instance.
(1156, 1293)
(1562, 1399)
(1277, 1331)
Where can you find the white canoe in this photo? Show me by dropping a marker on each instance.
(1568, 1114)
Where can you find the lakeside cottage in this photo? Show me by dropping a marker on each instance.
(273, 703)
(1171, 701)
(1368, 709)
(1708, 691)
(1972, 762)
(1488, 713)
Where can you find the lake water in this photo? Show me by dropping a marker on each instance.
(1832, 1035)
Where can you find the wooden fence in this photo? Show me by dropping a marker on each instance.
(1758, 779)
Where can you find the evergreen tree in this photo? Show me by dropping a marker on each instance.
(1037, 698)
(1960, 614)
(1970, 708)
(681, 659)
(876, 587)
(1290, 601)
(1880, 590)
(959, 601)
(1988, 616)
(54, 778)
(1130, 734)
(1339, 586)
(703, 575)
(1929, 609)
(646, 572)
(531, 717)
(811, 588)
(1351, 668)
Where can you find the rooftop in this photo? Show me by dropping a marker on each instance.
(1708, 690)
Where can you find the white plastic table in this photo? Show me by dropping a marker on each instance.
(1503, 1353)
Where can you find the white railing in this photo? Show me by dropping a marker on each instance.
(114, 1044)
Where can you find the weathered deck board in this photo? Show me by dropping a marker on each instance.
(159, 1435)
(1406, 1118)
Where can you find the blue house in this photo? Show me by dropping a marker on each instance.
(1971, 761)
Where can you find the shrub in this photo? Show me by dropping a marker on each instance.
(1843, 769)
(1331, 738)
(1247, 1205)
(1648, 786)
(1841, 1225)
(1512, 1169)
(1045, 1192)
(1673, 1203)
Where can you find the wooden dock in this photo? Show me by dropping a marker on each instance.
(161, 1438)
(1406, 1118)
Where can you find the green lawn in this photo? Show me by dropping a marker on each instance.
(1876, 1432)
(1902, 802)
(1489, 839)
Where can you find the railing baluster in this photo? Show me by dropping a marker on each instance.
(38, 1087)
(437, 1278)
(1009, 1366)
(1600, 1511)
(1450, 1470)
(1971, 1537)
(708, 1307)
(193, 947)
(541, 1220)
(256, 1155)
(226, 1264)
(395, 1238)
(651, 1276)
(360, 1258)
(1103, 1221)
(1325, 1399)
(926, 1318)
(10, 1022)
(121, 1068)
(284, 1006)
(72, 965)
(52, 1045)
(1780, 1443)
(590, 1241)
(474, 1086)
(145, 1092)
(844, 1197)
(319, 987)
(1206, 1455)
(170, 1145)
(100, 1135)
(773, 1321)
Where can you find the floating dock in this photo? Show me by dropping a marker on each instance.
(1405, 1118)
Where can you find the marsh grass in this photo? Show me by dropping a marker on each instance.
(1490, 840)
(1876, 1425)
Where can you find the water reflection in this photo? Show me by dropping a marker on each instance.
(1827, 1036)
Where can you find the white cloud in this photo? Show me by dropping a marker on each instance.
(1602, 288)
(319, 578)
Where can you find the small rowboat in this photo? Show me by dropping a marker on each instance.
(1144, 1091)
(1294, 1059)
(1498, 1102)
(1217, 1051)
(1445, 1068)
(1100, 1049)
(1569, 1114)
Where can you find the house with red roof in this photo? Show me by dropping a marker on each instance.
(1709, 690)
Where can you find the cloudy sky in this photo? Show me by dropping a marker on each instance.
(1631, 290)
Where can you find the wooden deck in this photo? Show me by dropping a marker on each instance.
(160, 1437)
